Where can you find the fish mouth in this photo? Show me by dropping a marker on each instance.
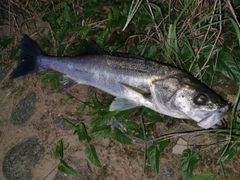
(215, 120)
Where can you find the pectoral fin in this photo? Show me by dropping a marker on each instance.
(136, 90)
(122, 104)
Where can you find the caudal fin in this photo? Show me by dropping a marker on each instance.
(28, 58)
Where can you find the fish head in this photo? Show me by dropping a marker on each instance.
(186, 97)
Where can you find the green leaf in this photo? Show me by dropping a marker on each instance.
(116, 12)
(101, 131)
(227, 66)
(120, 137)
(61, 33)
(98, 122)
(126, 113)
(151, 115)
(68, 98)
(52, 78)
(85, 32)
(59, 20)
(85, 104)
(162, 145)
(138, 49)
(59, 150)
(92, 155)
(189, 159)
(61, 49)
(235, 3)
(154, 153)
(153, 156)
(82, 133)
(130, 125)
(102, 119)
(93, 112)
(66, 168)
(185, 53)
(50, 18)
(125, 10)
(96, 103)
(13, 52)
(110, 114)
(67, 13)
(115, 47)
(231, 151)
(45, 43)
(69, 124)
(59, 6)
(203, 176)
(151, 52)
(236, 123)
(114, 20)
(102, 37)
(6, 42)
(237, 119)
(110, 18)
(77, 28)
(89, 12)
(140, 135)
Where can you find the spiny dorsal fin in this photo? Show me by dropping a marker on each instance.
(91, 48)
(127, 55)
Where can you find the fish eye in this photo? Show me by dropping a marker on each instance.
(201, 99)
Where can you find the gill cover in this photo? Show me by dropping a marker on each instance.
(163, 93)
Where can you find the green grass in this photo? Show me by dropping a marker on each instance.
(200, 37)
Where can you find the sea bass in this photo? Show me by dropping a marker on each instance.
(134, 80)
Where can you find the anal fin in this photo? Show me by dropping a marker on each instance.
(66, 83)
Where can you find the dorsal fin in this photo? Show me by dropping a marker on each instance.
(127, 55)
(91, 48)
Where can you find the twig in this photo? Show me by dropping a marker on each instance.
(233, 12)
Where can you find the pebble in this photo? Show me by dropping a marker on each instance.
(21, 159)
(23, 110)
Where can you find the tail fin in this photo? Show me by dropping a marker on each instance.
(28, 58)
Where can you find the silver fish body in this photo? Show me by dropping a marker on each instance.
(134, 80)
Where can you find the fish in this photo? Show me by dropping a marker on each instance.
(133, 80)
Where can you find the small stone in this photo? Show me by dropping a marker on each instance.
(21, 159)
(81, 166)
(180, 146)
(166, 173)
(23, 110)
